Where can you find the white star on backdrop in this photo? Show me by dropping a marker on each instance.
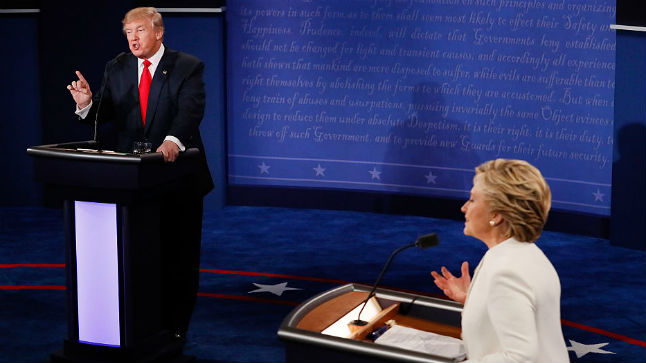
(598, 196)
(430, 178)
(375, 174)
(582, 349)
(277, 289)
(264, 168)
(319, 170)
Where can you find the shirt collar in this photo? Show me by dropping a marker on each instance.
(155, 59)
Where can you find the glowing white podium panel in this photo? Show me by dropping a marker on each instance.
(97, 273)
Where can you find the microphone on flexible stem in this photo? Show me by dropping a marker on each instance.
(105, 82)
(425, 241)
(98, 107)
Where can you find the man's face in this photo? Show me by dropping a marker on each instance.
(143, 40)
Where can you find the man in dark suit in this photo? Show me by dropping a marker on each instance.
(155, 94)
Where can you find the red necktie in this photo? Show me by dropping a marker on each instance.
(144, 89)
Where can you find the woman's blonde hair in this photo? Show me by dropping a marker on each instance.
(144, 12)
(518, 192)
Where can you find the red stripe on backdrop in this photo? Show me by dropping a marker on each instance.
(292, 303)
(33, 287)
(317, 279)
(268, 274)
(603, 332)
(32, 265)
(248, 298)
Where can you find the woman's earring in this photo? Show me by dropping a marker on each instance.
(492, 223)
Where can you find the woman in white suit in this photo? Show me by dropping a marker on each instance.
(512, 304)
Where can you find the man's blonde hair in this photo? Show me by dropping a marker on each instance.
(144, 12)
(518, 192)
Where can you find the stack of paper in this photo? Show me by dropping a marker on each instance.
(424, 342)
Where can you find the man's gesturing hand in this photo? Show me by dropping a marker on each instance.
(80, 91)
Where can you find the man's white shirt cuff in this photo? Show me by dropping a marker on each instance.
(82, 112)
(176, 141)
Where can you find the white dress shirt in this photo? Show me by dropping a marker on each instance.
(512, 310)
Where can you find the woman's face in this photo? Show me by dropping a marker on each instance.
(476, 214)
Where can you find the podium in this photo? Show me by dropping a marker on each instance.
(112, 230)
(304, 342)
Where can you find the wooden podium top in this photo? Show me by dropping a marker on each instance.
(302, 328)
(330, 311)
(325, 314)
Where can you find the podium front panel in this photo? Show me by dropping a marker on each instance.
(97, 273)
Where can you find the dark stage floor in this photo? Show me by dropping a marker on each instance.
(259, 263)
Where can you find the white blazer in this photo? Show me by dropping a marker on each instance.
(513, 310)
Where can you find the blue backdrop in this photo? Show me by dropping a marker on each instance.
(409, 96)
(203, 37)
(20, 124)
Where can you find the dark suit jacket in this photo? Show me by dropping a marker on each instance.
(175, 106)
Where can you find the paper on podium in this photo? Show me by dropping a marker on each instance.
(422, 341)
(340, 327)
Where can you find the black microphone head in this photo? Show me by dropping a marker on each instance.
(427, 240)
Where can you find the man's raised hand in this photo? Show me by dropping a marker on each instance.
(80, 91)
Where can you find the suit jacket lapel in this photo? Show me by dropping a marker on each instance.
(159, 79)
(132, 83)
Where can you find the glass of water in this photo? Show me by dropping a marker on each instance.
(142, 147)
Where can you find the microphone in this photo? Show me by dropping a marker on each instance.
(423, 242)
(98, 107)
(106, 73)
